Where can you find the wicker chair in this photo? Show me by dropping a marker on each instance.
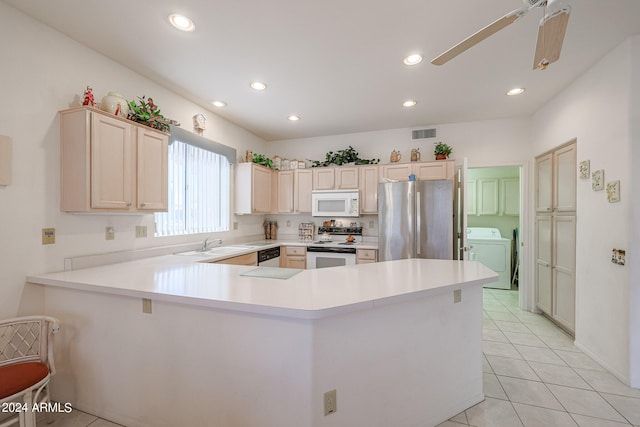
(26, 366)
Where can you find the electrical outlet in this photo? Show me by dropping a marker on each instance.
(457, 295)
(48, 236)
(146, 305)
(330, 402)
(288, 223)
(141, 231)
(370, 224)
(235, 225)
(109, 233)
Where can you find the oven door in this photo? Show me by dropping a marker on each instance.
(323, 259)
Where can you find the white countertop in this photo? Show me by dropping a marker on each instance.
(308, 294)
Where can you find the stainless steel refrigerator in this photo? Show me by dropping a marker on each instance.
(415, 220)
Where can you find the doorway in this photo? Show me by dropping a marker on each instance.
(494, 221)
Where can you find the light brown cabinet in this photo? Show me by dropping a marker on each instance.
(293, 257)
(555, 242)
(110, 164)
(323, 179)
(441, 169)
(293, 191)
(336, 178)
(366, 256)
(253, 189)
(369, 179)
(246, 259)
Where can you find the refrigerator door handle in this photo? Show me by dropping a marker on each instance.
(418, 222)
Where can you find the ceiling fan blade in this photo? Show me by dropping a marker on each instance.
(477, 37)
(550, 37)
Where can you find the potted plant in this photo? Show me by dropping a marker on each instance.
(344, 157)
(147, 113)
(442, 151)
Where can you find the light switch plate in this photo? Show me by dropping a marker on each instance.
(109, 233)
(330, 402)
(457, 295)
(5, 160)
(48, 236)
(141, 231)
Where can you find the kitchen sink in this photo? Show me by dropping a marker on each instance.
(221, 250)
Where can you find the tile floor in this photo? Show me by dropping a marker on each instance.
(533, 377)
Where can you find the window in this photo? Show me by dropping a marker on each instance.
(199, 192)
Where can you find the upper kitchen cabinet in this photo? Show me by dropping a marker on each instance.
(253, 189)
(369, 179)
(152, 170)
(441, 169)
(336, 178)
(294, 191)
(324, 179)
(110, 164)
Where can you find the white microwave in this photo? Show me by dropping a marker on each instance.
(335, 203)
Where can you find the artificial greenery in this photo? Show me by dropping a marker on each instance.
(261, 159)
(442, 149)
(342, 157)
(147, 113)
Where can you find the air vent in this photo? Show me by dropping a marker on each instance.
(423, 133)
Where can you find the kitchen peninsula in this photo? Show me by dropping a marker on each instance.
(399, 341)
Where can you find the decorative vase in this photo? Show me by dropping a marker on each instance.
(114, 103)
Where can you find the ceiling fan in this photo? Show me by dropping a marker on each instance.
(550, 32)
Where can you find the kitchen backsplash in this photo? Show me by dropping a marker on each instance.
(288, 224)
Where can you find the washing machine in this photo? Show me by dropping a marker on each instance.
(487, 245)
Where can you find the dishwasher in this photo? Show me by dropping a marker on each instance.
(269, 257)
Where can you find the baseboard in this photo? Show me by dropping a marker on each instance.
(625, 379)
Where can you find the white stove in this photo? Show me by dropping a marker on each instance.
(333, 253)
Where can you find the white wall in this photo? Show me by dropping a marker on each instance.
(43, 72)
(595, 109)
(486, 143)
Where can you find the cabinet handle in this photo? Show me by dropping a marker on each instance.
(129, 204)
(142, 205)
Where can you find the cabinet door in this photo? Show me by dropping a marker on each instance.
(323, 179)
(303, 185)
(261, 189)
(152, 170)
(564, 195)
(510, 196)
(472, 197)
(369, 189)
(543, 263)
(431, 170)
(112, 157)
(544, 183)
(397, 172)
(285, 191)
(488, 196)
(346, 178)
(564, 262)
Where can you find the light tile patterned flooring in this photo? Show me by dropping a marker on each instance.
(533, 377)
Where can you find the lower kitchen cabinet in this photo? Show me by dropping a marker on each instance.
(366, 256)
(293, 257)
(246, 259)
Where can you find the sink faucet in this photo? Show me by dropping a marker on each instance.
(205, 244)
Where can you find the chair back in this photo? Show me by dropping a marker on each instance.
(28, 339)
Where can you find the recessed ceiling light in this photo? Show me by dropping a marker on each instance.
(219, 104)
(258, 86)
(409, 103)
(293, 118)
(413, 59)
(181, 22)
(516, 91)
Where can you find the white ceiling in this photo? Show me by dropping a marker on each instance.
(338, 64)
